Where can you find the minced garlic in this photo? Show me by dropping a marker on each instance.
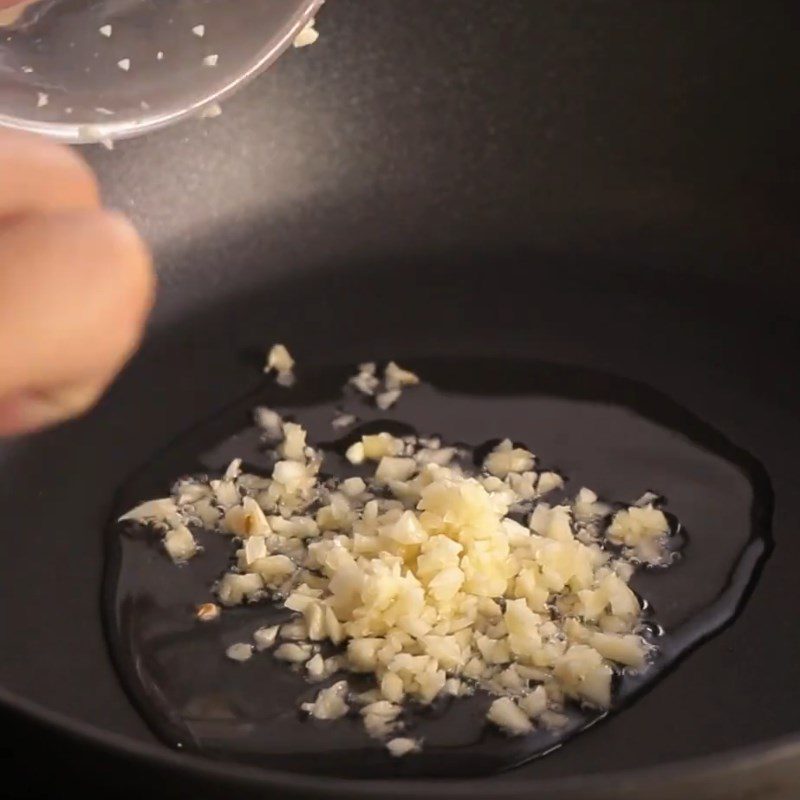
(365, 380)
(388, 391)
(401, 746)
(241, 651)
(180, 544)
(508, 716)
(280, 360)
(308, 35)
(429, 576)
(396, 377)
(506, 458)
(265, 638)
(330, 703)
(269, 421)
(642, 530)
(385, 400)
(207, 612)
(342, 420)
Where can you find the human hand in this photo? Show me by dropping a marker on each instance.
(13, 9)
(76, 285)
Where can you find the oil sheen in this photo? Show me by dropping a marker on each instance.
(612, 435)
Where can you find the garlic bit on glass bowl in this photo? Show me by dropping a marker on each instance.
(100, 70)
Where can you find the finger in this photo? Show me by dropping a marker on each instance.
(75, 289)
(27, 411)
(14, 10)
(39, 175)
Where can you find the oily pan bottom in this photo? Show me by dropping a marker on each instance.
(710, 352)
(620, 437)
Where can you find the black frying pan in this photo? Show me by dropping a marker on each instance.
(601, 185)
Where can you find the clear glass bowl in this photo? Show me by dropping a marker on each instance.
(98, 70)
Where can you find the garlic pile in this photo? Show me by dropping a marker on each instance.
(431, 576)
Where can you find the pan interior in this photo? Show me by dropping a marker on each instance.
(714, 353)
(615, 435)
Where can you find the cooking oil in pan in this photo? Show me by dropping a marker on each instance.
(618, 437)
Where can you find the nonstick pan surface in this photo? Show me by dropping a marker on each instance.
(607, 186)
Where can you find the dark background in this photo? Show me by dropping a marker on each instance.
(627, 132)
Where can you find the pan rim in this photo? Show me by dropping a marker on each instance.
(742, 760)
